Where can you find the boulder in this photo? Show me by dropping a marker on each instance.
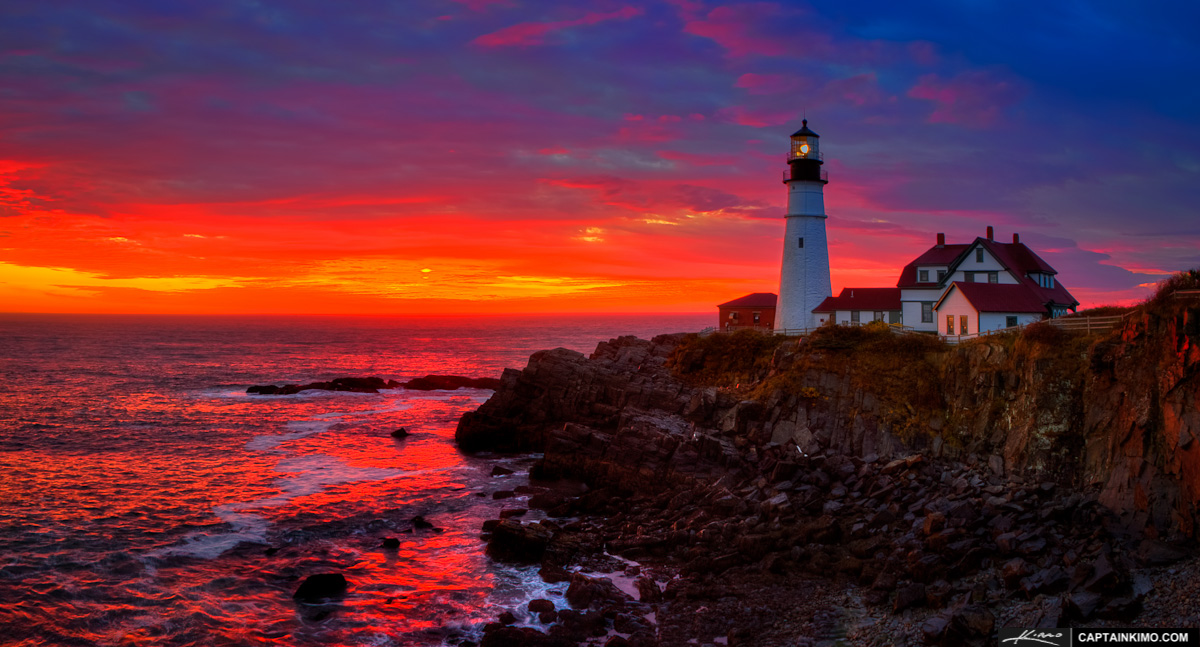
(648, 590)
(400, 433)
(585, 591)
(513, 541)
(321, 586)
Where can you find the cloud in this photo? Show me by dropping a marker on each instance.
(975, 99)
(736, 29)
(534, 33)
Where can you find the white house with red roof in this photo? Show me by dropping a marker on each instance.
(972, 308)
(1008, 283)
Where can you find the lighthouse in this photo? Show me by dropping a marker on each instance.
(804, 273)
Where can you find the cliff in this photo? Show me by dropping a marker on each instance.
(1115, 414)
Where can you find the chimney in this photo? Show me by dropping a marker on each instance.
(941, 240)
(990, 232)
(1016, 238)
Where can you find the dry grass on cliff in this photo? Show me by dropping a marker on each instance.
(724, 360)
(1185, 280)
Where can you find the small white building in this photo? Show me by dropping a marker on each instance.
(973, 308)
(860, 306)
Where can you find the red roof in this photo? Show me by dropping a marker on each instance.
(1021, 260)
(997, 297)
(944, 255)
(755, 300)
(1016, 257)
(862, 299)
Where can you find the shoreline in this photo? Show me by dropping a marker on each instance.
(806, 541)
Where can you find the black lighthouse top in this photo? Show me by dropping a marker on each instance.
(805, 156)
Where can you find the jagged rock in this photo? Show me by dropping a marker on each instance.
(351, 384)
(321, 586)
(970, 625)
(390, 543)
(1047, 580)
(585, 591)
(501, 471)
(648, 590)
(450, 383)
(400, 433)
(907, 596)
(1156, 553)
(513, 541)
(1082, 604)
(1013, 572)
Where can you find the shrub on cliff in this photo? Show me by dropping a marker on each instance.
(1185, 280)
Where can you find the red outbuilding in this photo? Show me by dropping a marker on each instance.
(753, 311)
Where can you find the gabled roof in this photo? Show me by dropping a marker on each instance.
(1020, 261)
(755, 300)
(944, 255)
(997, 297)
(862, 299)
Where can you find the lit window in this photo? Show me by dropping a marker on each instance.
(924, 276)
(949, 324)
(962, 324)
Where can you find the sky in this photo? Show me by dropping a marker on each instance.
(500, 156)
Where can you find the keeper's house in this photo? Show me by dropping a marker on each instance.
(984, 285)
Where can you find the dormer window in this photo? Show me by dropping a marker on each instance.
(924, 276)
(1042, 279)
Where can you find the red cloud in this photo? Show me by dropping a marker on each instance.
(732, 28)
(757, 118)
(533, 33)
(764, 83)
(972, 99)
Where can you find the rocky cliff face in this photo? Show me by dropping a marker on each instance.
(1117, 414)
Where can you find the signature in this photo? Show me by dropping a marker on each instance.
(1036, 636)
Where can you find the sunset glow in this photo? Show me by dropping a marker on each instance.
(492, 157)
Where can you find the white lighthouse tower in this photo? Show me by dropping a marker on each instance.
(804, 274)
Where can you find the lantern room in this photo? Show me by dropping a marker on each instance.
(804, 144)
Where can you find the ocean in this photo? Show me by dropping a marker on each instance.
(145, 499)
